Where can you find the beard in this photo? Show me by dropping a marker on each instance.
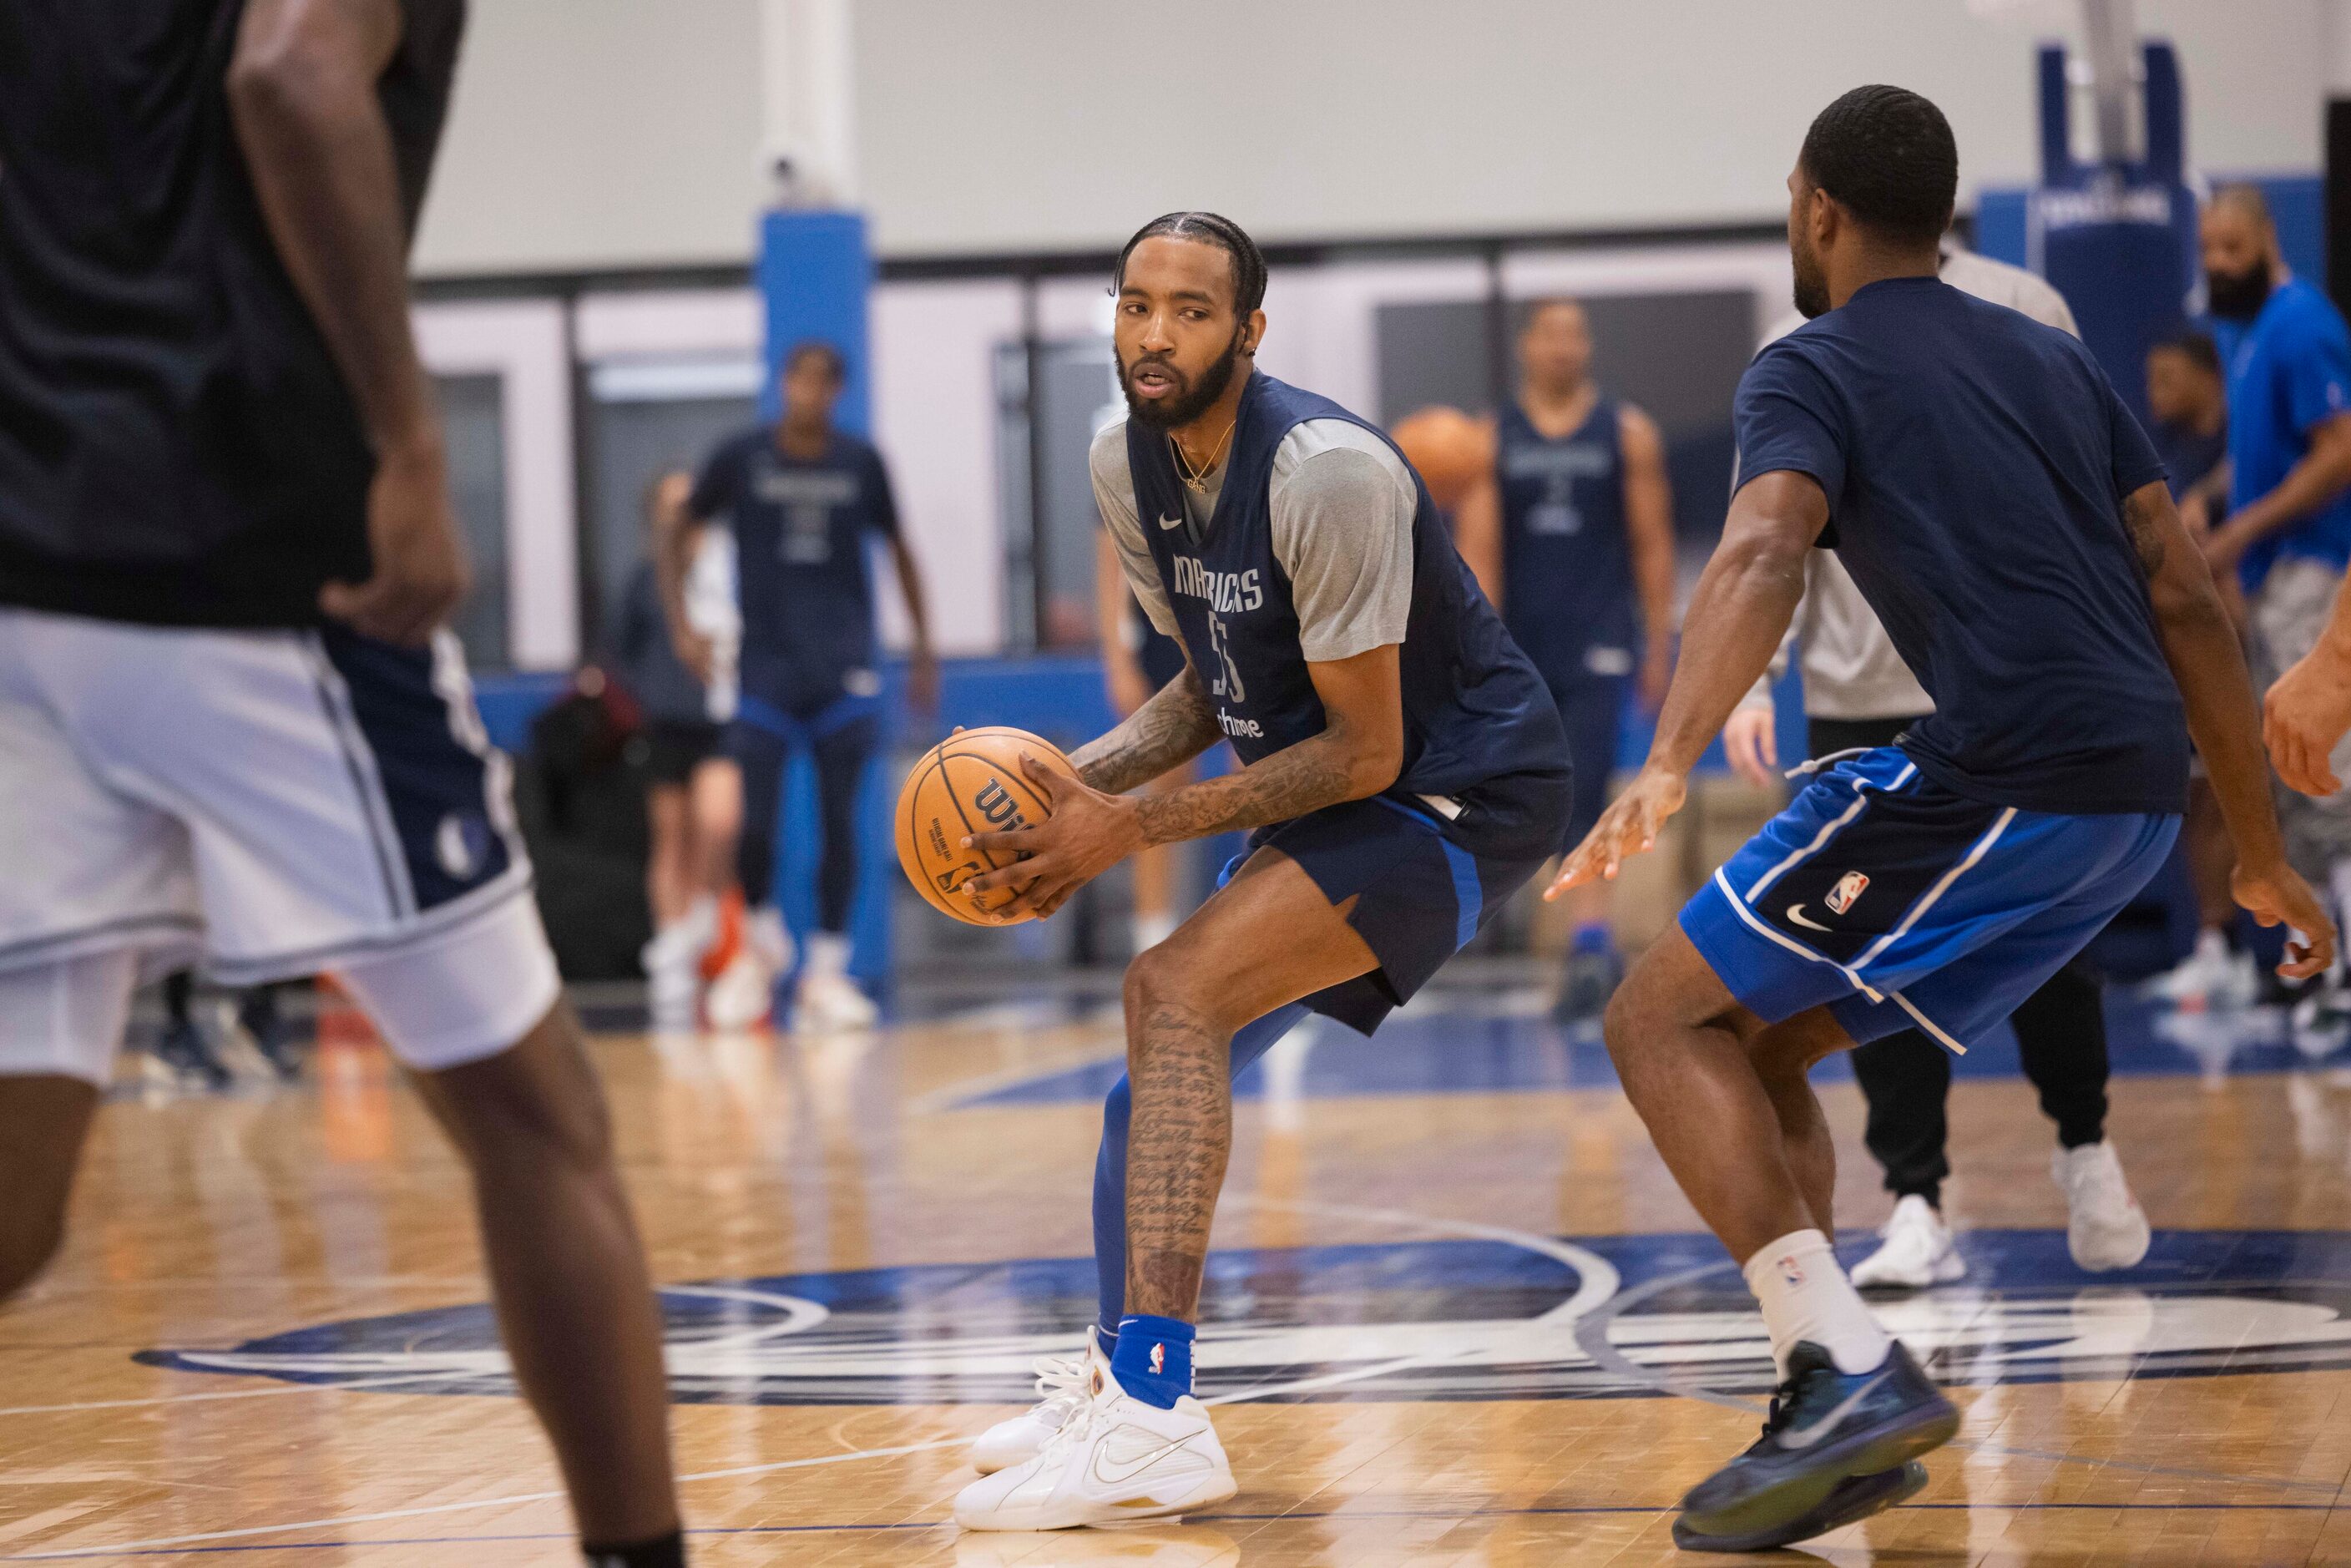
(2240, 296)
(1189, 401)
(1812, 284)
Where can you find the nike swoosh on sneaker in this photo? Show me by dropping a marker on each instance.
(1127, 1471)
(1171, 522)
(1796, 914)
(1800, 1440)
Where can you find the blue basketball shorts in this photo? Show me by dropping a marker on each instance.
(1425, 875)
(1896, 903)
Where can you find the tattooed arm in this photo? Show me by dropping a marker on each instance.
(1358, 753)
(2200, 646)
(1171, 726)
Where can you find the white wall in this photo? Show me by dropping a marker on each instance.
(1013, 124)
(599, 133)
(624, 133)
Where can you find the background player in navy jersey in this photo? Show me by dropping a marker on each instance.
(2004, 516)
(801, 498)
(1403, 769)
(1574, 536)
(233, 724)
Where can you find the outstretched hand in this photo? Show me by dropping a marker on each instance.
(1629, 827)
(2279, 896)
(1087, 833)
(2304, 716)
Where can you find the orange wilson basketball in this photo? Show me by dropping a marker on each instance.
(1451, 450)
(971, 782)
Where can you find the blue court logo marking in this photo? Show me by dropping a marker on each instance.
(1471, 1319)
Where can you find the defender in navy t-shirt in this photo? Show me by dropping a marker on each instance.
(2007, 520)
(1975, 463)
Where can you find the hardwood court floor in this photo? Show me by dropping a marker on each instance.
(264, 1341)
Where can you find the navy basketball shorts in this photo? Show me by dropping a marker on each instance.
(268, 804)
(1896, 903)
(1426, 874)
(1592, 710)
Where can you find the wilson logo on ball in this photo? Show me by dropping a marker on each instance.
(997, 806)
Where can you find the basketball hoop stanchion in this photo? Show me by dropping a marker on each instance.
(2116, 232)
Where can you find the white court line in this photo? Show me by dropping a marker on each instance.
(121, 1547)
(1600, 1281)
(387, 1382)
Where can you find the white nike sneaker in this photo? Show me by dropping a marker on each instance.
(1115, 1459)
(2104, 1228)
(744, 994)
(1917, 1250)
(1064, 1384)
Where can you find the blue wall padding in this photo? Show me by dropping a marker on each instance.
(815, 273)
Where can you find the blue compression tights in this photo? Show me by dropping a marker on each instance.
(1110, 1166)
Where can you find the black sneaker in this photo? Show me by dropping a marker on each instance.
(272, 1036)
(1590, 978)
(182, 1050)
(1825, 1426)
(1854, 1498)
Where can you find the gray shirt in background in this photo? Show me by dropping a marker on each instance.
(1341, 506)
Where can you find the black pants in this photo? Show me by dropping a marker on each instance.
(841, 756)
(2061, 1038)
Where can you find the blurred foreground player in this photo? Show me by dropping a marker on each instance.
(231, 723)
(1858, 694)
(800, 496)
(1401, 768)
(1578, 514)
(2005, 517)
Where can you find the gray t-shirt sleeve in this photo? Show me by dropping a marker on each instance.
(1114, 495)
(1342, 505)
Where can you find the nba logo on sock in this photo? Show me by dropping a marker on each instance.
(1791, 1270)
(1848, 887)
(1159, 1360)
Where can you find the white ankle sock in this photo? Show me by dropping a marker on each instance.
(1806, 1296)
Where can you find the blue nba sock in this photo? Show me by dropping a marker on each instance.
(1594, 936)
(1109, 1170)
(1154, 1361)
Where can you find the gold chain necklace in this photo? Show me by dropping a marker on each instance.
(1197, 480)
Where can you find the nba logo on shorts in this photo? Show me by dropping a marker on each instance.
(1848, 888)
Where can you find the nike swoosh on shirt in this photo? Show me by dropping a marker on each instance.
(1127, 1472)
(1790, 1439)
(1796, 914)
(1171, 522)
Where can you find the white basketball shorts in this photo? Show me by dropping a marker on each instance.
(270, 804)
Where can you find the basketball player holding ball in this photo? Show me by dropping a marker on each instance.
(1403, 772)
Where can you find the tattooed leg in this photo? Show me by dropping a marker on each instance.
(1266, 939)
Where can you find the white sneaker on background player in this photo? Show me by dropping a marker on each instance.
(1064, 1384)
(828, 998)
(744, 994)
(1917, 1250)
(2105, 1229)
(673, 965)
(2211, 977)
(1115, 1459)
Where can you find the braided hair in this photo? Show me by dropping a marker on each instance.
(1207, 228)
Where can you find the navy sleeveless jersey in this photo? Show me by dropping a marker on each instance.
(1474, 709)
(1567, 569)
